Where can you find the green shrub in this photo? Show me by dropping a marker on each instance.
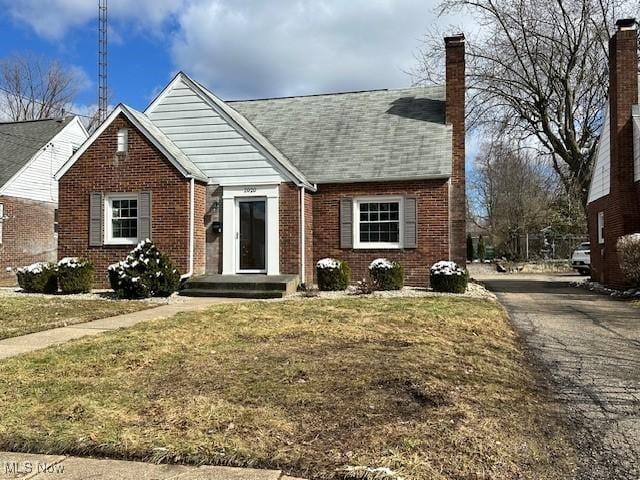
(629, 257)
(386, 274)
(448, 277)
(145, 272)
(470, 249)
(481, 252)
(75, 275)
(40, 277)
(332, 274)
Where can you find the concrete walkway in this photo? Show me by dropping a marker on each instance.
(589, 345)
(10, 347)
(58, 467)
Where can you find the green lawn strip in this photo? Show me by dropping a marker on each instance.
(430, 388)
(21, 315)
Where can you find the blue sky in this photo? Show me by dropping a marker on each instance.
(238, 48)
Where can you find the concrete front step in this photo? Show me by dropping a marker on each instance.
(257, 294)
(241, 286)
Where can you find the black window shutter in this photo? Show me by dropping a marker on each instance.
(95, 219)
(410, 222)
(144, 215)
(346, 223)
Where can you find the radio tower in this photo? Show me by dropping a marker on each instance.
(102, 60)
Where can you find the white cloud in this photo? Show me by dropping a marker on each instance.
(52, 19)
(249, 48)
(253, 48)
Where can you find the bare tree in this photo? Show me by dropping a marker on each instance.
(513, 191)
(32, 88)
(537, 71)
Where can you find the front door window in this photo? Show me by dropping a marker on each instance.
(252, 235)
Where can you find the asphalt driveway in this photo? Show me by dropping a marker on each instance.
(590, 347)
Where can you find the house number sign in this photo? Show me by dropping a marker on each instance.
(249, 189)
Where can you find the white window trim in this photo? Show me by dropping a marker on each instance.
(108, 234)
(601, 228)
(357, 244)
(123, 140)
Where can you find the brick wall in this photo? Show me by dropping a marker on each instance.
(289, 228)
(455, 115)
(213, 262)
(27, 235)
(598, 251)
(621, 206)
(199, 228)
(308, 251)
(144, 168)
(433, 227)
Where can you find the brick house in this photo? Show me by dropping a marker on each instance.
(614, 196)
(271, 186)
(30, 153)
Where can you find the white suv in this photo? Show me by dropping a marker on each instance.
(581, 259)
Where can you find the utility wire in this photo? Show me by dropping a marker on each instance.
(39, 102)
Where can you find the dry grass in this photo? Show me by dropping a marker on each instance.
(430, 388)
(20, 315)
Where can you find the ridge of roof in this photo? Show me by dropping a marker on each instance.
(52, 119)
(333, 94)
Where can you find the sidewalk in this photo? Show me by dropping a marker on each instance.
(59, 467)
(10, 347)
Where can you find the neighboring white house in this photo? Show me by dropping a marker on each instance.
(30, 154)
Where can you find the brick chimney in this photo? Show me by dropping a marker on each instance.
(621, 215)
(455, 113)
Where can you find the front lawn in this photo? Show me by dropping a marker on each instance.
(20, 315)
(432, 388)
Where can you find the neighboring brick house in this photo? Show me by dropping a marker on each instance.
(614, 196)
(30, 154)
(271, 186)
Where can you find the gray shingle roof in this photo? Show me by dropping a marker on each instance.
(19, 142)
(359, 136)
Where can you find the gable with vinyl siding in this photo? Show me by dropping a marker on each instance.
(222, 153)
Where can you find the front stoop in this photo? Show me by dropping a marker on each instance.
(241, 286)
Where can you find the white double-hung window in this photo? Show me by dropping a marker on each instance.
(378, 222)
(121, 219)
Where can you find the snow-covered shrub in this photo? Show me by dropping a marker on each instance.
(75, 275)
(448, 277)
(40, 277)
(629, 257)
(145, 272)
(386, 274)
(332, 274)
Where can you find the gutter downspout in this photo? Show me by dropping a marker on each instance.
(302, 237)
(449, 219)
(192, 186)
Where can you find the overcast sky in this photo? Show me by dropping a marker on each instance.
(239, 48)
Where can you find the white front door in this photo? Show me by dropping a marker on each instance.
(251, 229)
(251, 245)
